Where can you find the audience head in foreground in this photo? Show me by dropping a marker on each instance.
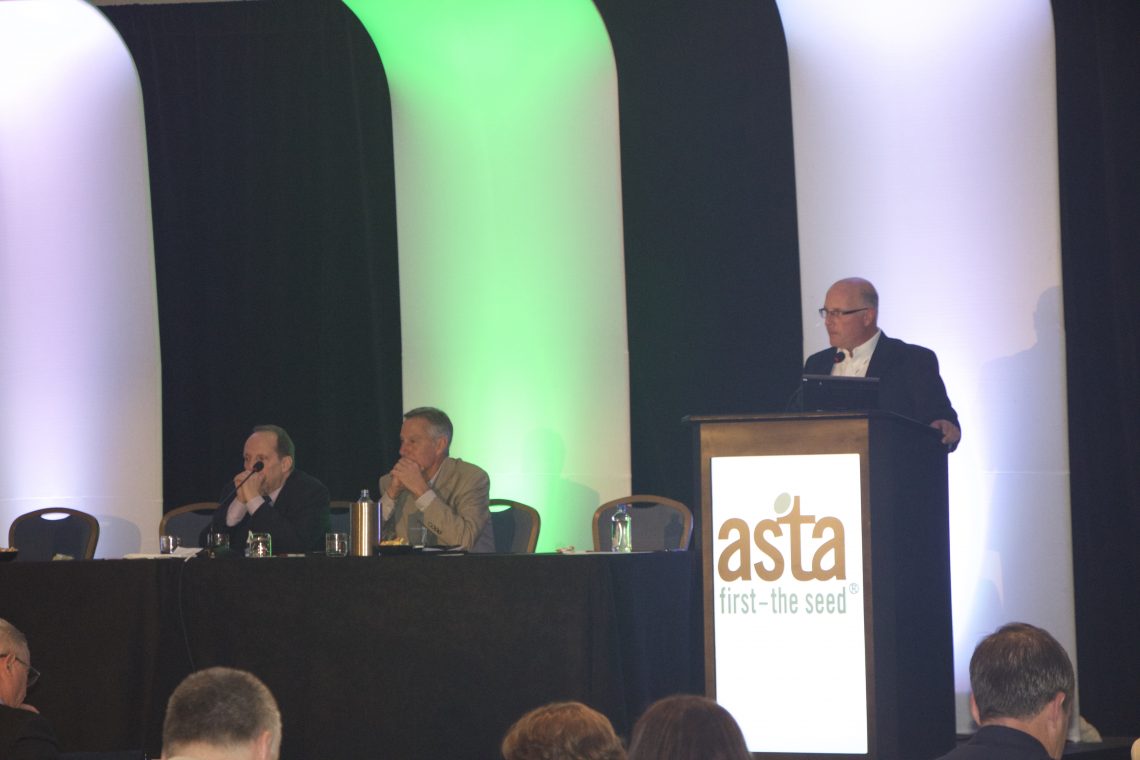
(687, 727)
(562, 731)
(1021, 683)
(23, 732)
(221, 714)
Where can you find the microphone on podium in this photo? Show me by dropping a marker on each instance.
(839, 355)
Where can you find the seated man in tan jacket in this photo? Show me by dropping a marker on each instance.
(430, 498)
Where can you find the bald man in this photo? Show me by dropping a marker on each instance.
(24, 734)
(909, 380)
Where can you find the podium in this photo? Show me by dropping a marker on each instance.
(826, 572)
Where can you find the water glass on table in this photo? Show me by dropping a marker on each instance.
(217, 543)
(336, 544)
(260, 545)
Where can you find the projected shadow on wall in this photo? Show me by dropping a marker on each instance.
(544, 461)
(1022, 404)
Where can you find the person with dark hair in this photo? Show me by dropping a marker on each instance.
(562, 731)
(221, 714)
(1021, 696)
(909, 380)
(431, 498)
(271, 496)
(24, 733)
(687, 727)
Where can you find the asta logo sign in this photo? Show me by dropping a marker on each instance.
(783, 542)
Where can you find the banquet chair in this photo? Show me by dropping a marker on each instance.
(188, 522)
(42, 534)
(516, 526)
(339, 511)
(659, 523)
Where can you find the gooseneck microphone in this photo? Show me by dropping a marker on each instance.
(839, 355)
(257, 467)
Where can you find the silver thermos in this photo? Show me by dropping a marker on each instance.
(363, 526)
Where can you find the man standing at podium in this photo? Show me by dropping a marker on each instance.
(909, 381)
(1021, 696)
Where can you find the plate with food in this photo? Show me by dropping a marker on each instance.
(394, 546)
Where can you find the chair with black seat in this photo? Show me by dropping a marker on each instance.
(45, 533)
(188, 522)
(659, 523)
(339, 512)
(516, 526)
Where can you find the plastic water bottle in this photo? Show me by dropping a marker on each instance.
(362, 527)
(621, 529)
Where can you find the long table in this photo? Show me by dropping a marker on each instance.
(387, 657)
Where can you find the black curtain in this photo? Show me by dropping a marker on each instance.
(270, 149)
(709, 208)
(1098, 89)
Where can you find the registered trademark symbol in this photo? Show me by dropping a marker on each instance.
(854, 588)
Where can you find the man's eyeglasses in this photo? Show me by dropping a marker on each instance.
(33, 674)
(837, 313)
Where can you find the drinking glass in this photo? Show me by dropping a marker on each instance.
(260, 545)
(336, 544)
(217, 542)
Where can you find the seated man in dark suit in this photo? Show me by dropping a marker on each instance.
(909, 381)
(270, 496)
(1021, 696)
(24, 733)
(221, 714)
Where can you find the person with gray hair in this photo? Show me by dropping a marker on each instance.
(221, 714)
(431, 498)
(1021, 696)
(24, 733)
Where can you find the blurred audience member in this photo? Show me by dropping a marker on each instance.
(221, 714)
(24, 733)
(562, 731)
(687, 727)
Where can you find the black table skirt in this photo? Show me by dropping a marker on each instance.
(391, 657)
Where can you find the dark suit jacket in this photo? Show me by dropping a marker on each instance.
(297, 520)
(909, 382)
(999, 743)
(25, 735)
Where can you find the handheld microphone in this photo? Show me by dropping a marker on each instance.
(257, 467)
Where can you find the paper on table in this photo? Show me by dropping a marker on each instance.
(181, 551)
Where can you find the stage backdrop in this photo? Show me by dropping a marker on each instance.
(926, 161)
(80, 401)
(505, 122)
(261, 182)
(275, 238)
